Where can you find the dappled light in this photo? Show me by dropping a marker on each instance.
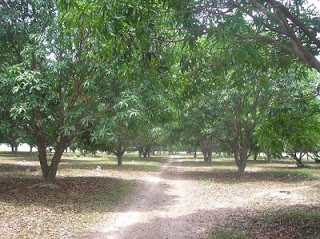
(181, 197)
(159, 119)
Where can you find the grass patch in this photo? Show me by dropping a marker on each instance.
(227, 234)
(104, 200)
(300, 222)
(294, 222)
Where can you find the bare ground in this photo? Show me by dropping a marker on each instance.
(186, 198)
(187, 202)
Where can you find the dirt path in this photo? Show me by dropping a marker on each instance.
(174, 203)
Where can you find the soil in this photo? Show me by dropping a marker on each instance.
(184, 202)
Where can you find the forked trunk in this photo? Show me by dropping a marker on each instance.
(299, 162)
(241, 161)
(298, 157)
(49, 172)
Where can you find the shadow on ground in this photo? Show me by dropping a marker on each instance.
(108, 166)
(81, 194)
(299, 221)
(193, 225)
(5, 168)
(228, 176)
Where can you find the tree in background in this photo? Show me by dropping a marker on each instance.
(293, 123)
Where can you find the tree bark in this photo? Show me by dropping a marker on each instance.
(145, 153)
(299, 162)
(14, 147)
(53, 168)
(140, 153)
(49, 172)
(269, 156)
(43, 159)
(119, 157)
(241, 160)
(209, 157)
(119, 153)
(205, 156)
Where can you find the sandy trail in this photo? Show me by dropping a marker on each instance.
(167, 204)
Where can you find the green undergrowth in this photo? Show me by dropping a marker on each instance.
(227, 234)
(300, 222)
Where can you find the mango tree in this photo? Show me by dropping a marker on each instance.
(293, 123)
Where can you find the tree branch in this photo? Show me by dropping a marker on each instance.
(295, 20)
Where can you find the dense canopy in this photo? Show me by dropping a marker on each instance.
(235, 77)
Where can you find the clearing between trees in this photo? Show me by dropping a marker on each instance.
(160, 197)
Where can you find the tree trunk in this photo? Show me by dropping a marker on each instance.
(49, 172)
(195, 153)
(119, 156)
(255, 156)
(241, 161)
(145, 153)
(205, 156)
(242, 165)
(209, 157)
(140, 153)
(298, 160)
(14, 148)
(31, 147)
(53, 168)
(269, 156)
(43, 159)
(299, 163)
